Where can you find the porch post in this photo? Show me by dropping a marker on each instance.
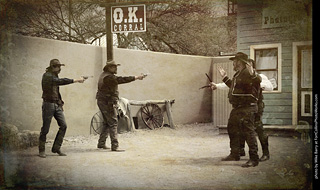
(109, 33)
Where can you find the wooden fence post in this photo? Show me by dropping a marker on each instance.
(168, 109)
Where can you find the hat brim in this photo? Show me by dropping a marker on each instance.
(58, 65)
(245, 61)
(109, 65)
(238, 58)
(112, 63)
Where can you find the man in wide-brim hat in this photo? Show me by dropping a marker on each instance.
(52, 106)
(107, 100)
(243, 95)
(110, 64)
(240, 58)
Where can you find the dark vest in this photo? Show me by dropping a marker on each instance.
(50, 87)
(107, 87)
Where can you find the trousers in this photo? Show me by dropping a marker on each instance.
(50, 110)
(110, 123)
(262, 136)
(241, 124)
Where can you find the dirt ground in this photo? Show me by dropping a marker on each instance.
(188, 157)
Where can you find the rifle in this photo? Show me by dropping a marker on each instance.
(206, 86)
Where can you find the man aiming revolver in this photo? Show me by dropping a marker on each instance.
(52, 106)
(107, 100)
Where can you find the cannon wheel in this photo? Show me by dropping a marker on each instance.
(152, 116)
(96, 123)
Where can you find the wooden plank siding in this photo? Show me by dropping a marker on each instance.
(221, 107)
(278, 106)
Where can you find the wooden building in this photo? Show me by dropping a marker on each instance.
(277, 34)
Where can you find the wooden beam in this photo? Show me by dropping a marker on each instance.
(145, 102)
(168, 108)
(109, 33)
(131, 3)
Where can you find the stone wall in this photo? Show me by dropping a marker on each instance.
(12, 139)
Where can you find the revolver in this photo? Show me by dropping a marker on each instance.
(145, 74)
(207, 86)
(85, 77)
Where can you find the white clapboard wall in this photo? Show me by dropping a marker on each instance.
(221, 106)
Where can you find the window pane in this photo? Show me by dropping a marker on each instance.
(272, 77)
(306, 60)
(306, 103)
(307, 100)
(266, 58)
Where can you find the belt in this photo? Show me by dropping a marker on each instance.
(59, 102)
(51, 101)
(243, 105)
(107, 101)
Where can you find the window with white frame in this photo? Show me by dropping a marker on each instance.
(232, 7)
(268, 62)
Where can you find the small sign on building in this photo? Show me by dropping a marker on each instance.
(275, 14)
(129, 18)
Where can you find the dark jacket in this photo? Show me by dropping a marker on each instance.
(108, 86)
(244, 88)
(260, 103)
(50, 87)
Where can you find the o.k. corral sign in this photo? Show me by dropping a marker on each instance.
(129, 18)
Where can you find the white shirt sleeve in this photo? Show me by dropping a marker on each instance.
(222, 86)
(265, 84)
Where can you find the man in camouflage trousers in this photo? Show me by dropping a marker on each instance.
(107, 100)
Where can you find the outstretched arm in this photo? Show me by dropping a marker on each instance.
(65, 81)
(220, 86)
(122, 80)
(140, 77)
(80, 80)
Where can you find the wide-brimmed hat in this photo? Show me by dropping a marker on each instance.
(55, 62)
(240, 56)
(110, 63)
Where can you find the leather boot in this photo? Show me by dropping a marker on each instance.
(42, 149)
(230, 158)
(250, 163)
(42, 154)
(58, 152)
(102, 146)
(264, 157)
(116, 149)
